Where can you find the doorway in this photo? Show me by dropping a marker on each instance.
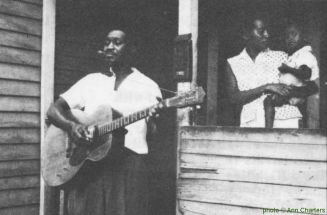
(81, 27)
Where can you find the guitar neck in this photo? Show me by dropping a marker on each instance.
(123, 121)
(189, 98)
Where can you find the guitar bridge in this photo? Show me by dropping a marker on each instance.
(90, 135)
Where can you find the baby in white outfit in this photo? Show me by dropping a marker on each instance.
(300, 67)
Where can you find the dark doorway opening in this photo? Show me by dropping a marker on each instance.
(81, 27)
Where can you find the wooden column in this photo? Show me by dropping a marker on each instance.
(187, 23)
(49, 199)
(313, 102)
(212, 79)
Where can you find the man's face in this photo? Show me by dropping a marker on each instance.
(293, 38)
(115, 47)
(258, 37)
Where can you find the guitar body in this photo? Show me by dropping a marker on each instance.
(57, 168)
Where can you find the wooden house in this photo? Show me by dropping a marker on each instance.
(230, 170)
(64, 37)
(20, 77)
(200, 167)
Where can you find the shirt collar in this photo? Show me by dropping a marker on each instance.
(112, 72)
(109, 73)
(307, 48)
(244, 54)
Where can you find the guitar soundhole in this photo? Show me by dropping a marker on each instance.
(78, 156)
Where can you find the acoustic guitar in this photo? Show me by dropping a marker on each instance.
(58, 168)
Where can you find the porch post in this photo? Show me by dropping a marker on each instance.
(213, 76)
(187, 23)
(49, 197)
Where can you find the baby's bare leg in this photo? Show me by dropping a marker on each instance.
(269, 112)
(291, 80)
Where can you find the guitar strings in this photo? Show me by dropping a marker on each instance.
(169, 91)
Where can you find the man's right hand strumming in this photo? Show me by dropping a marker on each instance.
(78, 133)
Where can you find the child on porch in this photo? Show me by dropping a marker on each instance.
(300, 67)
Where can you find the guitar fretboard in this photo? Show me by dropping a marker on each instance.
(123, 121)
(185, 99)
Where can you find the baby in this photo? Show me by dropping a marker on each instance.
(300, 67)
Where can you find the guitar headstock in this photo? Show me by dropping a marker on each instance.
(192, 97)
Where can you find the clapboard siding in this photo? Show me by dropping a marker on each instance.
(19, 135)
(200, 208)
(20, 56)
(19, 88)
(241, 171)
(20, 24)
(19, 168)
(36, 2)
(9, 198)
(296, 173)
(251, 194)
(19, 182)
(19, 104)
(18, 120)
(306, 136)
(22, 210)
(20, 65)
(293, 151)
(196, 208)
(20, 40)
(19, 152)
(20, 8)
(19, 72)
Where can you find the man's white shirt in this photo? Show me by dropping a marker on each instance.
(135, 93)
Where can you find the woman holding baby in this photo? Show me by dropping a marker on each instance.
(270, 85)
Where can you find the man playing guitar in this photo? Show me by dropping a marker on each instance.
(118, 183)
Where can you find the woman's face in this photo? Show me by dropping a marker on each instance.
(258, 37)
